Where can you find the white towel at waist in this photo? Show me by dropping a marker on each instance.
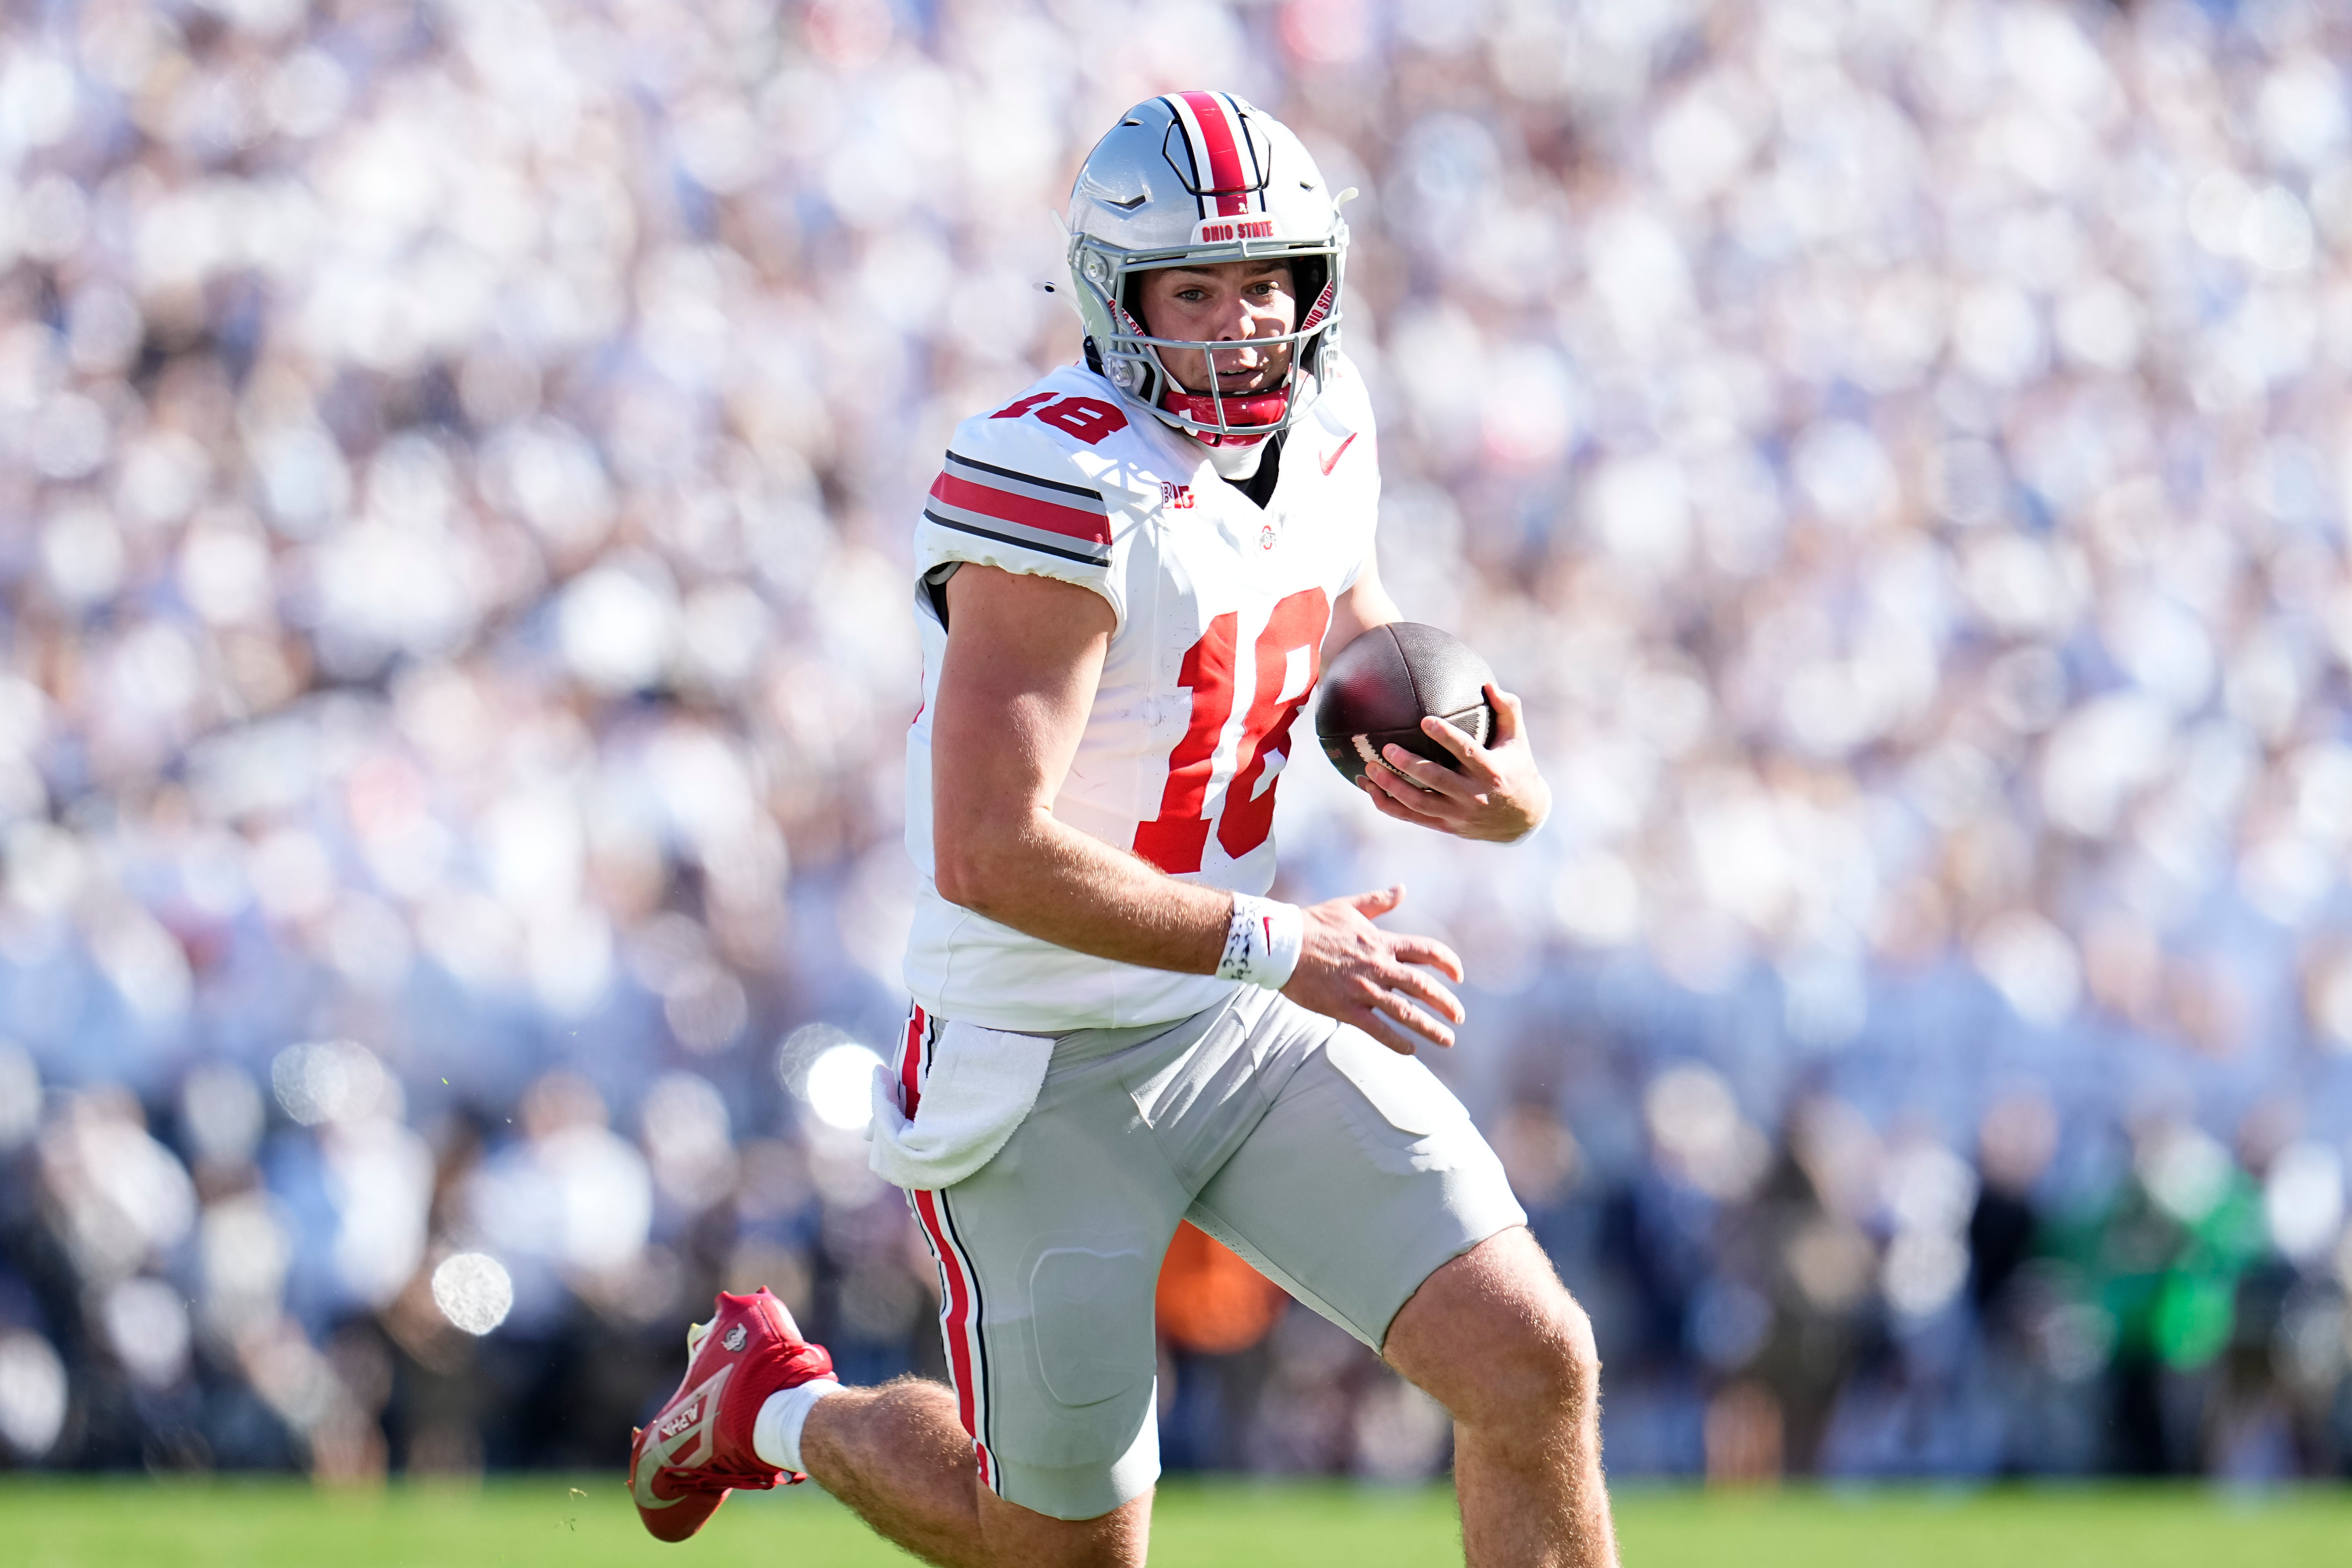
(982, 1087)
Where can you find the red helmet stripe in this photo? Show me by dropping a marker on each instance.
(1255, 178)
(1216, 125)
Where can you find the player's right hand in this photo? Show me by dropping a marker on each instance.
(1350, 970)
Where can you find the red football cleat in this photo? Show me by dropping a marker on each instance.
(698, 1447)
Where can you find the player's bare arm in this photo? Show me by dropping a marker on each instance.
(1498, 797)
(1023, 657)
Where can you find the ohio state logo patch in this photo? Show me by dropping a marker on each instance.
(1266, 537)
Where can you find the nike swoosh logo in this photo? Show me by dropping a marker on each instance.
(697, 1439)
(1332, 461)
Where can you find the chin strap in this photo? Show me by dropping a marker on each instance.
(1258, 408)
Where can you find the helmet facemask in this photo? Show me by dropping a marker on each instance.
(1130, 354)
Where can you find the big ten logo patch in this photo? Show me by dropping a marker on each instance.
(1175, 497)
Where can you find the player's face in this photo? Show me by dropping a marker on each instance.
(1233, 302)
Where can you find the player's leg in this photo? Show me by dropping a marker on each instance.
(1366, 1189)
(1046, 1448)
(897, 1456)
(1497, 1339)
(900, 1457)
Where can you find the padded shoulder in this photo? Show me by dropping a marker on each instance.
(1059, 428)
(1014, 491)
(1345, 402)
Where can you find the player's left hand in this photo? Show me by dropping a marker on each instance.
(1499, 796)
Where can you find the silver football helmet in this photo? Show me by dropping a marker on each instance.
(1193, 179)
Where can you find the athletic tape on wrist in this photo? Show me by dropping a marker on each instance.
(1263, 942)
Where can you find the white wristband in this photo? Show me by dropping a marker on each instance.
(1263, 942)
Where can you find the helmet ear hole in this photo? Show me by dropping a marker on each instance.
(1130, 299)
(1309, 274)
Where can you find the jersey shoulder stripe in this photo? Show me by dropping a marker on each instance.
(959, 461)
(1058, 518)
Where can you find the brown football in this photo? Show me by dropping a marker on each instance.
(1381, 686)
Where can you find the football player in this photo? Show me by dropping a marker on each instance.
(1127, 576)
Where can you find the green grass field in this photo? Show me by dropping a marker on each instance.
(587, 1524)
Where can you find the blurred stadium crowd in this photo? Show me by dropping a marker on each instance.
(456, 464)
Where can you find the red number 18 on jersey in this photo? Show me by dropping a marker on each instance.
(1175, 840)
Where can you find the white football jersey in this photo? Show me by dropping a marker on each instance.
(1222, 608)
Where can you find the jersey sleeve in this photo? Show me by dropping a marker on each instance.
(1012, 498)
(1370, 553)
(1353, 405)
